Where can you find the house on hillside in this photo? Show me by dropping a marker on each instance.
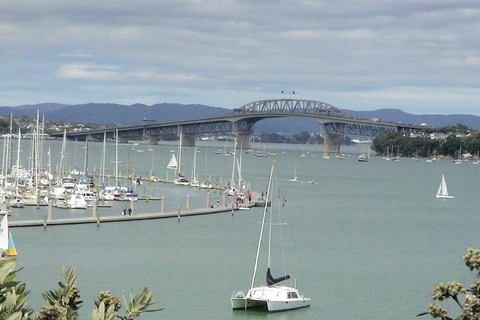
(438, 136)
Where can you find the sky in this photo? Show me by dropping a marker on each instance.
(419, 56)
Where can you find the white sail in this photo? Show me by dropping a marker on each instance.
(173, 164)
(442, 192)
(4, 234)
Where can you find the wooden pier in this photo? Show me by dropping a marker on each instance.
(214, 209)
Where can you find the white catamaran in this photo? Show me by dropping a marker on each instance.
(272, 296)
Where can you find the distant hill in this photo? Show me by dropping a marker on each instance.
(435, 120)
(117, 114)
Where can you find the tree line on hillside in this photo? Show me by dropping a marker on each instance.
(26, 125)
(303, 137)
(455, 142)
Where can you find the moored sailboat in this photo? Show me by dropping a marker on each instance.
(271, 296)
(6, 241)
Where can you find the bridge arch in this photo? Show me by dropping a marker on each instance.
(290, 106)
(262, 109)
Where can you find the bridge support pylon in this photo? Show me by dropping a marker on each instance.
(153, 140)
(188, 140)
(331, 142)
(122, 139)
(243, 139)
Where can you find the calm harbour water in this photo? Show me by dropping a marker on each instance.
(366, 241)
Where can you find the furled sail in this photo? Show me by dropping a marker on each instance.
(271, 280)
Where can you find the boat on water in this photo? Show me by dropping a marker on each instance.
(89, 196)
(76, 201)
(362, 158)
(17, 202)
(259, 154)
(272, 296)
(206, 185)
(125, 194)
(262, 202)
(194, 182)
(173, 163)
(442, 192)
(6, 241)
(181, 180)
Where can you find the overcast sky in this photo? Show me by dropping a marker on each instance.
(420, 56)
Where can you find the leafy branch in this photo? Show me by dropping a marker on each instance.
(63, 303)
(470, 307)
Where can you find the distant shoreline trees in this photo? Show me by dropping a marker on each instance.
(399, 144)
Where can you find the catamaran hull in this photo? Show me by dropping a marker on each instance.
(270, 306)
(274, 306)
(444, 197)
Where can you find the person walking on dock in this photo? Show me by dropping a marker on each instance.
(124, 211)
(130, 211)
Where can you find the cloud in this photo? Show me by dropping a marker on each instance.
(90, 72)
(231, 52)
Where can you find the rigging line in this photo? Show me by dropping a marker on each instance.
(267, 196)
(282, 242)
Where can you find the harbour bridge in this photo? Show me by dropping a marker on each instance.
(334, 124)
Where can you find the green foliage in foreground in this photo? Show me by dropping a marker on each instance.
(470, 306)
(63, 303)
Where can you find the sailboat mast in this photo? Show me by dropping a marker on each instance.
(102, 170)
(240, 168)
(62, 156)
(18, 148)
(194, 168)
(18, 157)
(85, 160)
(269, 234)
(9, 163)
(267, 196)
(49, 163)
(116, 158)
(232, 182)
(180, 154)
(41, 151)
(4, 172)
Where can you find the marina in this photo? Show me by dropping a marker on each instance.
(360, 232)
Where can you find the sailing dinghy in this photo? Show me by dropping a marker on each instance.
(442, 192)
(6, 241)
(272, 296)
